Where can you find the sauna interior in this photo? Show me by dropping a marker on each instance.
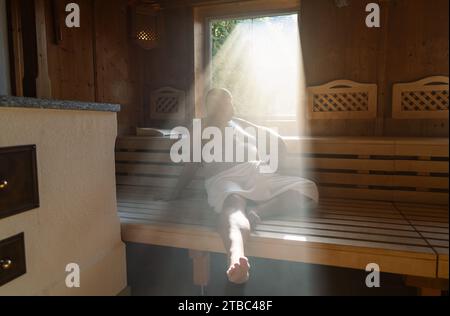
(91, 90)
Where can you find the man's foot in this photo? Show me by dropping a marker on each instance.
(253, 218)
(238, 272)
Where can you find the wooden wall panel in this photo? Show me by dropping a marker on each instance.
(336, 44)
(96, 62)
(117, 63)
(171, 63)
(417, 48)
(71, 67)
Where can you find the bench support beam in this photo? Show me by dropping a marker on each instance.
(200, 260)
(427, 286)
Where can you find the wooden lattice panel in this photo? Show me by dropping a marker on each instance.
(423, 99)
(342, 99)
(168, 103)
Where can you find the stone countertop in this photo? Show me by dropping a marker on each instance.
(33, 103)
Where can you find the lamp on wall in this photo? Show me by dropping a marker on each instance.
(146, 25)
(341, 3)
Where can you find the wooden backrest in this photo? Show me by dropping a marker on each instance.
(342, 99)
(167, 103)
(385, 169)
(423, 99)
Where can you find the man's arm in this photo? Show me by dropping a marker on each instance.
(282, 147)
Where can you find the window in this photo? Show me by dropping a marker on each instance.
(257, 58)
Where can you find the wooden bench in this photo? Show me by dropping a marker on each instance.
(383, 201)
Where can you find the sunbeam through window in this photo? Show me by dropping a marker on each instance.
(257, 59)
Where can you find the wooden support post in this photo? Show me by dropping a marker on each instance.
(43, 84)
(427, 286)
(200, 261)
(16, 29)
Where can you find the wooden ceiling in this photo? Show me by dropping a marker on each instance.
(179, 3)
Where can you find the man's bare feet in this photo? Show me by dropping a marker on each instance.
(253, 218)
(238, 272)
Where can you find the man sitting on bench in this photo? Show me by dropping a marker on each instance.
(239, 191)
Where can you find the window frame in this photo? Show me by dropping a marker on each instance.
(203, 16)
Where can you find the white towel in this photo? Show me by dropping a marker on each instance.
(246, 180)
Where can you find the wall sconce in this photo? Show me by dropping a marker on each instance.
(146, 25)
(342, 3)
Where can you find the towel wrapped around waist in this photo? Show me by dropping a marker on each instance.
(246, 180)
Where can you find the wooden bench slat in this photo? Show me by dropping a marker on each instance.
(384, 195)
(426, 212)
(158, 192)
(380, 180)
(430, 219)
(346, 222)
(346, 228)
(295, 162)
(361, 203)
(420, 182)
(169, 219)
(438, 243)
(142, 157)
(421, 166)
(429, 224)
(428, 229)
(434, 235)
(340, 146)
(342, 235)
(373, 212)
(151, 169)
(425, 150)
(375, 216)
(418, 206)
(442, 252)
(163, 182)
(142, 142)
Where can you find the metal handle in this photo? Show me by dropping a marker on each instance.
(3, 184)
(5, 264)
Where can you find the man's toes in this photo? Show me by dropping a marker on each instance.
(243, 262)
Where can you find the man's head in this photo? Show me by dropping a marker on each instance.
(219, 105)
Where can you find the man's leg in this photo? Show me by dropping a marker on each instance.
(288, 202)
(234, 228)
